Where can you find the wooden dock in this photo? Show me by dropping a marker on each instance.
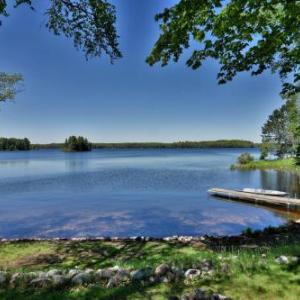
(265, 200)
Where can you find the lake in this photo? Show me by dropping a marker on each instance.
(157, 192)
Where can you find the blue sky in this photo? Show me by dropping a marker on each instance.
(129, 101)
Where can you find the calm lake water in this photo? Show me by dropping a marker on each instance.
(49, 193)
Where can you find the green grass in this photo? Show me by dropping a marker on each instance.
(288, 164)
(249, 274)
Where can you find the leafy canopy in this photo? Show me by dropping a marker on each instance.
(9, 85)
(90, 23)
(277, 135)
(243, 35)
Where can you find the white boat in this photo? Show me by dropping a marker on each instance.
(265, 192)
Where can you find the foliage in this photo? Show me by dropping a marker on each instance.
(156, 145)
(74, 144)
(264, 151)
(276, 134)
(89, 23)
(9, 85)
(242, 35)
(182, 144)
(287, 164)
(245, 158)
(12, 144)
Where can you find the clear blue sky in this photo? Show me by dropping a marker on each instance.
(128, 101)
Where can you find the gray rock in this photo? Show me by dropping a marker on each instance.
(115, 269)
(216, 296)
(192, 273)
(40, 282)
(113, 282)
(53, 272)
(3, 277)
(104, 273)
(295, 259)
(89, 271)
(283, 260)
(196, 294)
(73, 272)
(22, 278)
(161, 270)
(141, 274)
(59, 280)
(81, 278)
(123, 274)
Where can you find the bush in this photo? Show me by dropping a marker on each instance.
(245, 158)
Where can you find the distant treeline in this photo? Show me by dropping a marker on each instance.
(156, 145)
(12, 144)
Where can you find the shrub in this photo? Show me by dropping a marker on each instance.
(245, 158)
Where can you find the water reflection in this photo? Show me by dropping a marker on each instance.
(283, 181)
(131, 192)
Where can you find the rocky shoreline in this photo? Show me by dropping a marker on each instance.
(258, 236)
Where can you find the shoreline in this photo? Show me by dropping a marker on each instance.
(175, 238)
(252, 265)
(285, 165)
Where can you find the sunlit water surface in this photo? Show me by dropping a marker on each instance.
(49, 193)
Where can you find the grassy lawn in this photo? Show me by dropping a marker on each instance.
(288, 164)
(244, 267)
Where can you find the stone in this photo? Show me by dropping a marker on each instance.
(113, 282)
(141, 274)
(104, 273)
(3, 278)
(53, 272)
(89, 271)
(196, 294)
(73, 272)
(22, 278)
(123, 274)
(216, 296)
(283, 260)
(81, 278)
(161, 270)
(58, 280)
(40, 282)
(115, 269)
(192, 273)
(295, 259)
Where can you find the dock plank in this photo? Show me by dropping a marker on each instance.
(266, 200)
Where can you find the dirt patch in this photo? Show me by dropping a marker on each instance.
(38, 259)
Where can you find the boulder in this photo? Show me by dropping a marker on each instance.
(196, 294)
(192, 273)
(59, 280)
(53, 272)
(141, 274)
(73, 272)
(216, 296)
(113, 282)
(104, 273)
(40, 282)
(161, 270)
(81, 278)
(282, 259)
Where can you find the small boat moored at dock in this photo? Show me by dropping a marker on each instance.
(265, 192)
(257, 199)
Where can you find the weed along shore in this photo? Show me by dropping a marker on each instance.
(253, 265)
